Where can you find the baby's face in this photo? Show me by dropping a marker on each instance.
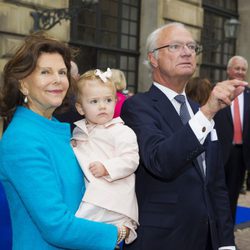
(97, 102)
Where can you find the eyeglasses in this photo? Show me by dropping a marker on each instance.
(176, 47)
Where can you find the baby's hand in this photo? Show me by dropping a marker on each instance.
(73, 143)
(97, 169)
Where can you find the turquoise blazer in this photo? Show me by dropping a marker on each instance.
(44, 186)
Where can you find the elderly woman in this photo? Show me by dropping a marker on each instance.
(39, 172)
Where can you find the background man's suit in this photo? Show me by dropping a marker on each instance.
(236, 158)
(177, 205)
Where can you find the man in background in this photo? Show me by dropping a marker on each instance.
(233, 129)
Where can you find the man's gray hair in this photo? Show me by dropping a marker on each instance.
(230, 62)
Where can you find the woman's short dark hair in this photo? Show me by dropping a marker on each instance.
(23, 63)
(198, 89)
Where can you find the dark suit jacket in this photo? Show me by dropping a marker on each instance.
(224, 127)
(176, 202)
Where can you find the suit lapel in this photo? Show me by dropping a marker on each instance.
(194, 105)
(229, 114)
(171, 117)
(246, 109)
(165, 108)
(195, 108)
(208, 154)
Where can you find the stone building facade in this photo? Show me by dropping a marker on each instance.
(16, 22)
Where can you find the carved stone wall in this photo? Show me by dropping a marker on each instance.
(16, 22)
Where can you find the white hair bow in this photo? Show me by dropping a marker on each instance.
(104, 75)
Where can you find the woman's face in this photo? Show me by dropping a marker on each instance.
(47, 85)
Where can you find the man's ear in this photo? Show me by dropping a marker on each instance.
(152, 59)
(79, 108)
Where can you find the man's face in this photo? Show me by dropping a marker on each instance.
(237, 70)
(180, 63)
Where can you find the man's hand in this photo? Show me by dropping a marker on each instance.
(97, 169)
(221, 96)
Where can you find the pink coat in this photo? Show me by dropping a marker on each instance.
(120, 100)
(115, 145)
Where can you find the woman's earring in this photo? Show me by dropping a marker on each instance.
(25, 100)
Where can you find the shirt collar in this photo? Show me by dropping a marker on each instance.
(82, 123)
(168, 92)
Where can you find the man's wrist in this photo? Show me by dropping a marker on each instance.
(209, 115)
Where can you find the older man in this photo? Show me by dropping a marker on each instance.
(183, 201)
(233, 127)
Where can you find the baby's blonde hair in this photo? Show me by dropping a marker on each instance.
(119, 79)
(91, 75)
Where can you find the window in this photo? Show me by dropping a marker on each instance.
(216, 52)
(107, 34)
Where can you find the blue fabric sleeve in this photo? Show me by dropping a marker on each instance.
(36, 182)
